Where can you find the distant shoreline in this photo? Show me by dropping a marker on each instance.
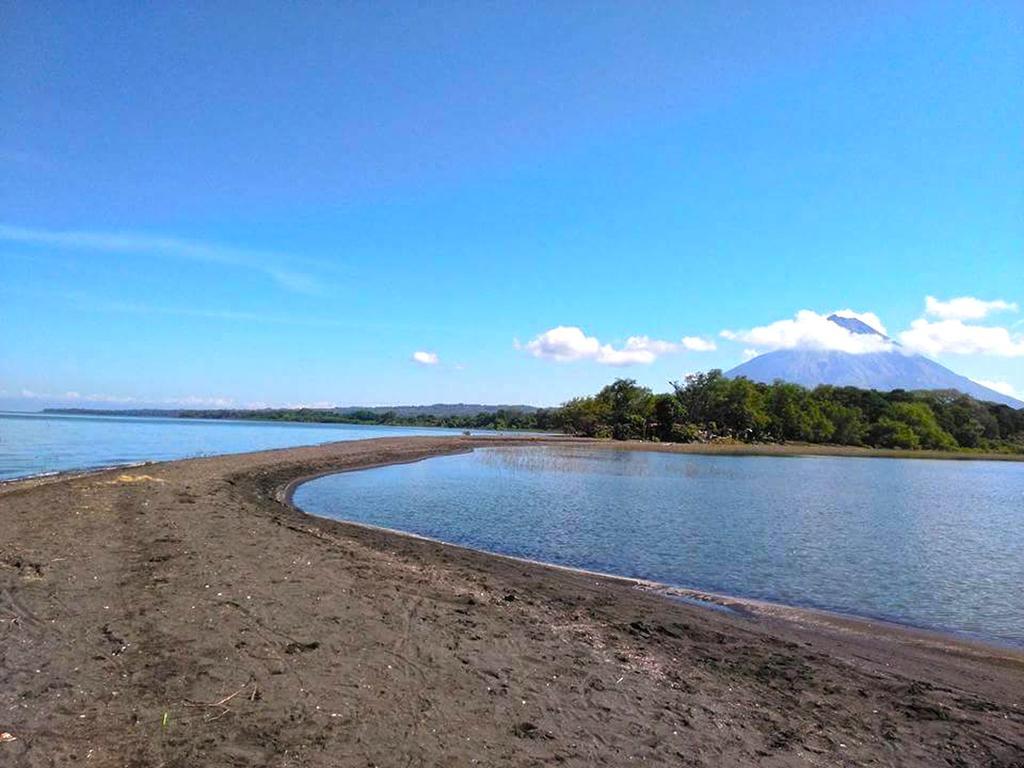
(715, 447)
(461, 416)
(794, 449)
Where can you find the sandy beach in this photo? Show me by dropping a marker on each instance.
(185, 614)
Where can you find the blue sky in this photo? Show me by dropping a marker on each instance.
(282, 206)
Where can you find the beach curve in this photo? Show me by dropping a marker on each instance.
(195, 618)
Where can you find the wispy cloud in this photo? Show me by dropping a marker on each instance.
(25, 158)
(86, 302)
(276, 266)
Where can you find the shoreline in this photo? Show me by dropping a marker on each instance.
(780, 450)
(715, 448)
(954, 641)
(796, 450)
(718, 446)
(938, 637)
(185, 614)
(933, 636)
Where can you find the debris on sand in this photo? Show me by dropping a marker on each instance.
(121, 479)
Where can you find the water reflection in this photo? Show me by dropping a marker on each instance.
(937, 544)
(576, 459)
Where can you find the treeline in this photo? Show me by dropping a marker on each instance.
(705, 407)
(542, 420)
(709, 406)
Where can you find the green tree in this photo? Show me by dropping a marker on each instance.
(848, 423)
(585, 416)
(667, 415)
(701, 397)
(890, 433)
(817, 426)
(629, 407)
(742, 411)
(787, 408)
(920, 418)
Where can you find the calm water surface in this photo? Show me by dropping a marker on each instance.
(937, 544)
(32, 444)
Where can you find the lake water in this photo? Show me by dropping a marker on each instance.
(935, 544)
(32, 444)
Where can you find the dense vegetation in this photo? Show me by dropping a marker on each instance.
(708, 406)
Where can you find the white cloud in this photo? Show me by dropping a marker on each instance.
(697, 344)
(564, 344)
(425, 358)
(965, 308)
(809, 330)
(1003, 387)
(956, 337)
(568, 343)
(638, 350)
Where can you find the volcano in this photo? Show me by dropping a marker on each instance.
(886, 370)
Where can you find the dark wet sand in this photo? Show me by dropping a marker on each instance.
(181, 614)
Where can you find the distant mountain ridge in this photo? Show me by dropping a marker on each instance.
(440, 410)
(884, 371)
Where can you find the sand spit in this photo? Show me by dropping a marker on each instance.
(191, 617)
